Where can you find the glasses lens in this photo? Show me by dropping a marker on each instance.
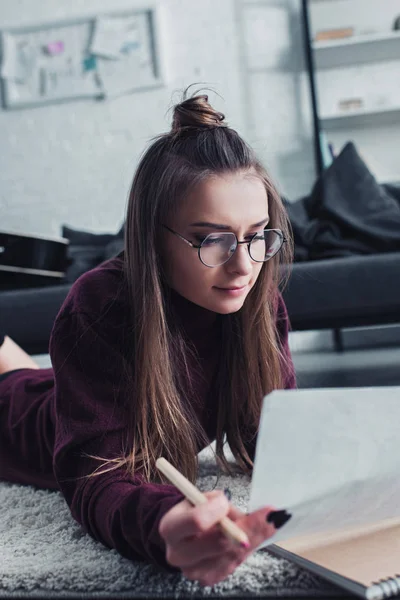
(217, 248)
(265, 245)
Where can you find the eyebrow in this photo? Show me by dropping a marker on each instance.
(219, 226)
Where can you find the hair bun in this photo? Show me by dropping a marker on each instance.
(196, 112)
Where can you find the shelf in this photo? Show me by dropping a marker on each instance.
(357, 49)
(360, 118)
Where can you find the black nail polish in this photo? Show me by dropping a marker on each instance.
(228, 493)
(278, 518)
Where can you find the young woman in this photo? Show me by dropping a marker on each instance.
(159, 351)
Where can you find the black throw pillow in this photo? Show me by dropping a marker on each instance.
(86, 250)
(348, 212)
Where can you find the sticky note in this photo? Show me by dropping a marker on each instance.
(54, 47)
(89, 63)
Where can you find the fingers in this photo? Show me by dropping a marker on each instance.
(211, 545)
(196, 544)
(211, 571)
(234, 513)
(185, 520)
(216, 545)
(257, 527)
(226, 557)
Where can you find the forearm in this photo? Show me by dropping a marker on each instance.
(123, 515)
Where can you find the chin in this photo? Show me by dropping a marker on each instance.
(230, 307)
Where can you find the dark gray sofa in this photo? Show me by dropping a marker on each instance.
(337, 293)
(327, 294)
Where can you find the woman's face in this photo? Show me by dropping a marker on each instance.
(235, 202)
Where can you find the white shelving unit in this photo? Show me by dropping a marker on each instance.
(362, 69)
(360, 118)
(357, 50)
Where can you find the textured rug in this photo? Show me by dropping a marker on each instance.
(45, 553)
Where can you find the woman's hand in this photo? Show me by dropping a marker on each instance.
(196, 544)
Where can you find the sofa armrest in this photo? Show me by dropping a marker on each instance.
(27, 315)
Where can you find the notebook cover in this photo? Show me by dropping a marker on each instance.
(356, 558)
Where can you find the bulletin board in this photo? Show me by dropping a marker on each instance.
(100, 57)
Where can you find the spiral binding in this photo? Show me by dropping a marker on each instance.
(384, 588)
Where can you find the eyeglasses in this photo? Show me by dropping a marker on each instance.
(217, 248)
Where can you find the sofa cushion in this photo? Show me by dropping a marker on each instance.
(87, 249)
(348, 212)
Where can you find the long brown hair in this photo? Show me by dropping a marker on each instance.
(198, 146)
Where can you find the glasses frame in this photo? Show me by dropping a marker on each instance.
(198, 246)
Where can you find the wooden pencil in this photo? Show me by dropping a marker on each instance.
(195, 496)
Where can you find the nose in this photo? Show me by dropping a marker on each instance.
(240, 262)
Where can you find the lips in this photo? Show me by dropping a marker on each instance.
(241, 287)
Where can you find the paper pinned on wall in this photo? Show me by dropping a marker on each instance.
(63, 75)
(114, 37)
(134, 50)
(113, 80)
(19, 59)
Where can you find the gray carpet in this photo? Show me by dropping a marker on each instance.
(44, 553)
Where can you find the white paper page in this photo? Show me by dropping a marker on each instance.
(63, 76)
(113, 35)
(331, 457)
(19, 58)
(134, 67)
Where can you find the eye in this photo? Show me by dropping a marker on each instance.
(212, 239)
(259, 235)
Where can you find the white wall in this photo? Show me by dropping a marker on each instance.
(278, 105)
(72, 163)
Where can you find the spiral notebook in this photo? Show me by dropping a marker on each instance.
(365, 561)
(331, 457)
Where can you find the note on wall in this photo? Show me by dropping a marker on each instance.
(124, 47)
(114, 36)
(19, 58)
(102, 57)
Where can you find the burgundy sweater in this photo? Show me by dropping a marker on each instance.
(48, 417)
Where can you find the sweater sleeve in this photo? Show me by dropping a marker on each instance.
(120, 511)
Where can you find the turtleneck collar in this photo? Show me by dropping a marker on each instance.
(197, 321)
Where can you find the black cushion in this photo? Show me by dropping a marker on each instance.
(347, 213)
(87, 249)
